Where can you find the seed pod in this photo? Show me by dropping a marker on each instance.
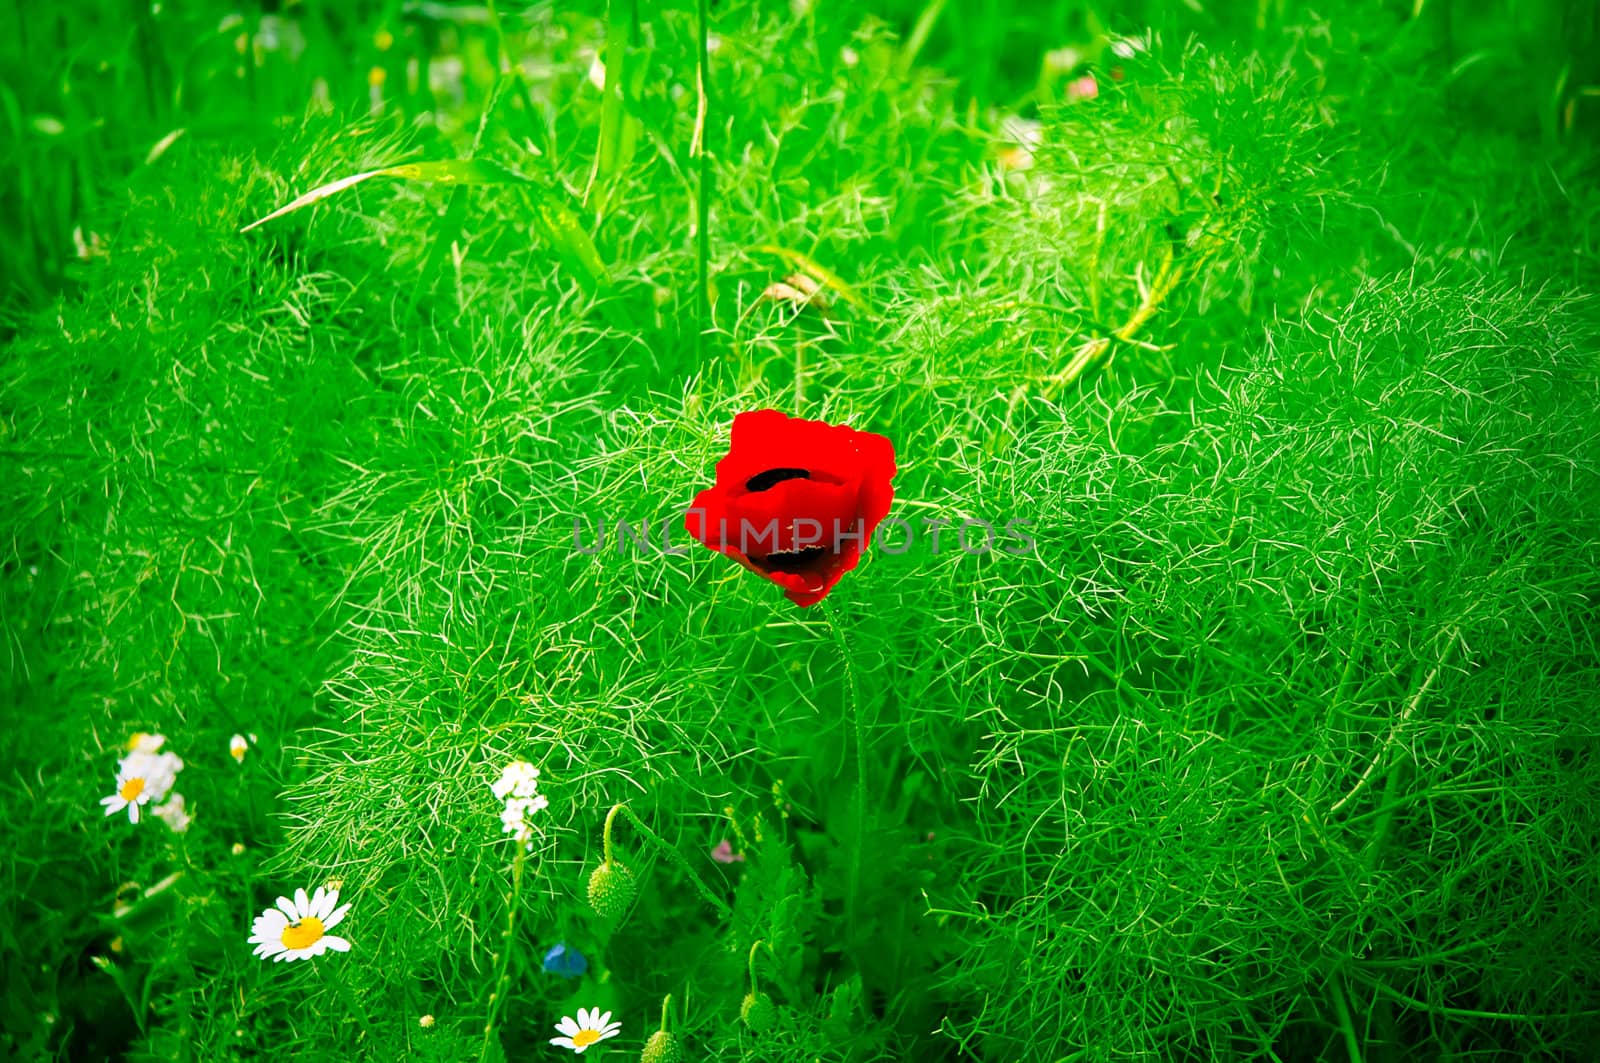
(661, 1048)
(758, 1011)
(611, 890)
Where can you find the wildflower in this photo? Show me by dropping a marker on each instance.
(565, 962)
(1024, 137)
(724, 854)
(237, 849)
(519, 778)
(174, 814)
(1083, 88)
(514, 817)
(298, 929)
(143, 776)
(591, 1025)
(795, 501)
(145, 743)
(238, 746)
(518, 787)
(426, 1022)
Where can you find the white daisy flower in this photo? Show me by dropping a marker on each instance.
(142, 777)
(519, 778)
(298, 929)
(145, 743)
(174, 814)
(590, 1026)
(238, 746)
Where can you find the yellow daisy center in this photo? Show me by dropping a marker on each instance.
(585, 1038)
(131, 789)
(304, 934)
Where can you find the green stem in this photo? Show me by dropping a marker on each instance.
(666, 1002)
(672, 854)
(1341, 1011)
(611, 818)
(752, 965)
(702, 197)
(853, 706)
(503, 960)
(349, 997)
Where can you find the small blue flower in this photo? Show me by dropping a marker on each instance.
(565, 962)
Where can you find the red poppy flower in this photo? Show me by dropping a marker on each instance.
(795, 501)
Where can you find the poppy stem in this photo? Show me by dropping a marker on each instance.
(853, 705)
(672, 853)
(666, 1002)
(611, 817)
(752, 965)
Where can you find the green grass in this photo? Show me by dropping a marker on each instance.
(1280, 744)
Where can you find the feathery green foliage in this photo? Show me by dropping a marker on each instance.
(1278, 740)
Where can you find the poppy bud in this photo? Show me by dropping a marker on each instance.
(758, 1011)
(611, 890)
(661, 1048)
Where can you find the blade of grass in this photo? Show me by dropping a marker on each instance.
(609, 159)
(449, 172)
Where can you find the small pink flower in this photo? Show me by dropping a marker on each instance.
(724, 854)
(1084, 88)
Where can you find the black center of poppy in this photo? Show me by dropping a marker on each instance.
(793, 561)
(761, 481)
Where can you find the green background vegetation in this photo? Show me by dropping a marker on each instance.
(1283, 743)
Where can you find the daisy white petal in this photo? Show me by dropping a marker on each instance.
(591, 1026)
(272, 921)
(145, 743)
(335, 917)
(295, 929)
